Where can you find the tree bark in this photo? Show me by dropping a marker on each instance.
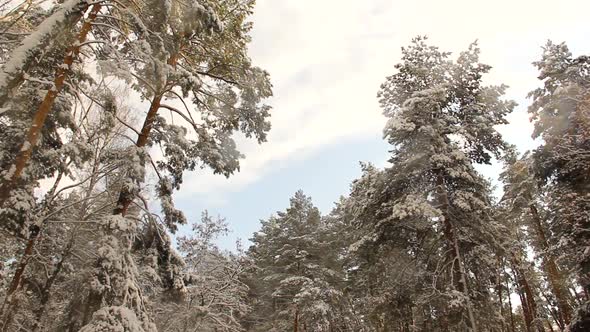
(459, 272)
(296, 320)
(554, 275)
(126, 197)
(44, 109)
(15, 79)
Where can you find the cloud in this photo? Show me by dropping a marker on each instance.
(327, 59)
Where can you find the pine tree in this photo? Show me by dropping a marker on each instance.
(191, 60)
(560, 111)
(390, 268)
(21, 65)
(441, 122)
(297, 278)
(525, 202)
(168, 63)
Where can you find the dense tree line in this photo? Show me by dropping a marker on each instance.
(87, 217)
(423, 244)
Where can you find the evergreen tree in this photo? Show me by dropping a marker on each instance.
(560, 111)
(226, 91)
(297, 281)
(441, 122)
(26, 74)
(526, 205)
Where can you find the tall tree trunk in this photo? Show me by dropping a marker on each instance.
(296, 320)
(554, 275)
(524, 301)
(512, 325)
(554, 315)
(23, 58)
(459, 272)
(44, 108)
(46, 291)
(527, 296)
(126, 197)
(499, 287)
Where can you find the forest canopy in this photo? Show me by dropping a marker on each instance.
(89, 228)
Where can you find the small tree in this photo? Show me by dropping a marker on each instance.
(215, 297)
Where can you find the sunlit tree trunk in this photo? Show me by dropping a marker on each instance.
(62, 73)
(24, 58)
(126, 197)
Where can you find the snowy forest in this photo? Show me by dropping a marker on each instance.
(89, 230)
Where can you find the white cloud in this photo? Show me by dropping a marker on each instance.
(327, 59)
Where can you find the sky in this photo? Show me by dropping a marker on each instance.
(327, 59)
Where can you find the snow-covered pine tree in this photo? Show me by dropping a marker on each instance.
(62, 218)
(297, 282)
(183, 50)
(525, 204)
(561, 111)
(385, 271)
(441, 122)
(190, 59)
(30, 70)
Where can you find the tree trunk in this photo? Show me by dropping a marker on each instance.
(524, 302)
(296, 320)
(549, 325)
(8, 305)
(14, 78)
(500, 299)
(527, 297)
(126, 197)
(44, 108)
(459, 272)
(554, 315)
(512, 326)
(553, 273)
(46, 291)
